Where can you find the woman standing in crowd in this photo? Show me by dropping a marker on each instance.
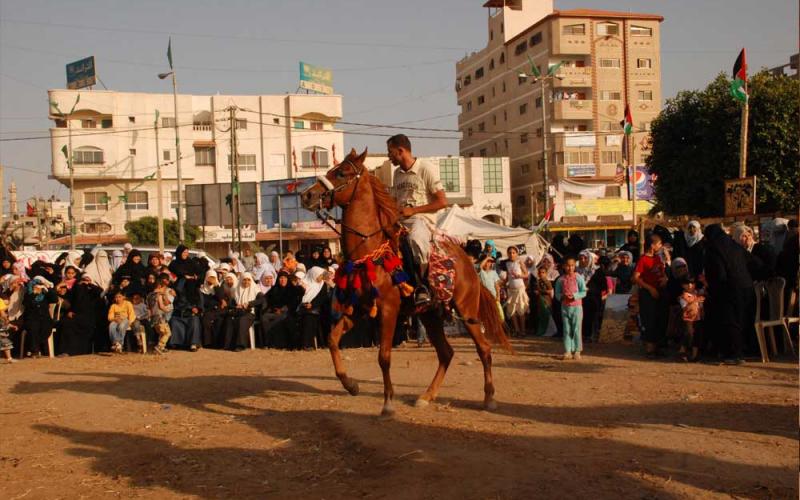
(99, 269)
(240, 317)
(185, 323)
(134, 269)
(695, 248)
(761, 256)
(327, 259)
(651, 278)
(212, 298)
(517, 306)
(624, 272)
(279, 303)
(311, 306)
(78, 327)
(36, 313)
(596, 289)
(632, 245)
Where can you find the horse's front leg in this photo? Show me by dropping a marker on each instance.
(336, 354)
(388, 324)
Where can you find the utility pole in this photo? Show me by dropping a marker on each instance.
(70, 164)
(544, 153)
(236, 226)
(159, 193)
(181, 235)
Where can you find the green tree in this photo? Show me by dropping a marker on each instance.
(695, 146)
(145, 232)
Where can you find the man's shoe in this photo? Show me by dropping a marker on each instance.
(422, 296)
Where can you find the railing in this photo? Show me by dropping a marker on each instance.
(203, 127)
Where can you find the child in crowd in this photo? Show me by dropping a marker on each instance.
(543, 293)
(160, 304)
(5, 338)
(120, 315)
(142, 315)
(691, 301)
(570, 289)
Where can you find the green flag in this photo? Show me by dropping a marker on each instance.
(169, 52)
(554, 68)
(124, 198)
(65, 151)
(534, 70)
(738, 85)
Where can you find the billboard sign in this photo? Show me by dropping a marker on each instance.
(316, 78)
(644, 184)
(81, 74)
(587, 170)
(740, 196)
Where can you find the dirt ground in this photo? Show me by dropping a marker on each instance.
(272, 424)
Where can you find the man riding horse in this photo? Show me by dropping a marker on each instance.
(419, 195)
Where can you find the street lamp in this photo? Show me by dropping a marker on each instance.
(162, 76)
(537, 76)
(68, 156)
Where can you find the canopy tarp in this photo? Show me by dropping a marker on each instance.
(460, 224)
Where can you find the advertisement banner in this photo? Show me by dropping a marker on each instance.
(81, 74)
(316, 78)
(604, 206)
(588, 170)
(644, 184)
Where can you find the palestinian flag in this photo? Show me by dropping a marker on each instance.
(627, 123)
(739, 83)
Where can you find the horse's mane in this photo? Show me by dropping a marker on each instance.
(385, 204)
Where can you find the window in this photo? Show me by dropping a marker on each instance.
(523, 108)
(578, 157)
(575, 128)
(246, 162)
(574, 29)
(521, 47)
(491, 64)
(136, 200)
(299, 124)
(167, 155)
(521, 201)
(167, 122)
(481, 100)
(203, 157)
(645, 125)
(539, 132)
(524, 168)
(613, 192)
(448, 173)
(87, 155)
(95, 227)
(494, 94)
(479, 73)
(483, 153)
(131, 119)
(467, 80)
(521, 79)
(607, 29)
(611, 157)
(505, 115)
(523, 138)
(87, 123)
(61, 123)
(494, 119)
(241, 124)
(321, 155)
(202, 121)
(107, 123)
(572, 196)
(641, 31)
(94, 201)
(132, 152)
(491, 35)
(469, 132)
(469, 105)
(645, 95)
(505, 143)
(316, 126)
(502, 57)
(492, 175)
(276, 121)
(538, 102)
(173, 200)
(644, 63)
(482, 127)
(610, 126)
(610, 95)
(536, 39)
(609, 63)
(504, 87)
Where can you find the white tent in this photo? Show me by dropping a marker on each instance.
(457, 223)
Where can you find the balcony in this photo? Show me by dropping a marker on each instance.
(573, 109)
(573, 77)
(584, 139)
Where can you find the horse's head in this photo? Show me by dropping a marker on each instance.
(338, 186)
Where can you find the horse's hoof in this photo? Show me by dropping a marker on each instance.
(387, 412)
(352, 388)
(490, 405)
(422, 403)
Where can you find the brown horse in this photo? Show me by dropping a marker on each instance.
(369, 220)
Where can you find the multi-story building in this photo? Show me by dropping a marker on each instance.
(115, 155)
(607, 59)
(481, 186)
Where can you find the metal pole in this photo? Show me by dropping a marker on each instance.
(280, 228)
(70, 164)
(178, 159)
(633, 180)
(233, 174)
(159, 193)
(743, 139)
(544, 155)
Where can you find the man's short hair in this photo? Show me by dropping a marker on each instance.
(399, 141)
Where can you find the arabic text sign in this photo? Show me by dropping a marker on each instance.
(587, 170)
(604, 206)
(81, 74)
(316, 78)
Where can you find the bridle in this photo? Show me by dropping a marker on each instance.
(327, 198)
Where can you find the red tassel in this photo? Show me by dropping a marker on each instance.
(373, 311)
(371, 271)
(357, 281)
(391, 262)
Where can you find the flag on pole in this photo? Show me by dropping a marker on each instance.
(545, 219)
(628, 182)
(534, 69)
(30, 211)
(619, 176)
(739, 83)
(169, 52)
(627, 123)
(294, 162)
(333, 149)
(314, 158)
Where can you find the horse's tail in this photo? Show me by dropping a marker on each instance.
(490, 317)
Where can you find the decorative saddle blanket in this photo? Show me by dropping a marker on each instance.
(441, 274)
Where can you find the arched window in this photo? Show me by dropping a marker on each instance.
(87, 155)
(502, 57)
(321, 157)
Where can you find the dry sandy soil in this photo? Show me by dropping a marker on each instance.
(267, 424)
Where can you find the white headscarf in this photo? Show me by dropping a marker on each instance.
(246, 294)
(588, 271)
(74, 257)
(116, 259)
(275, 260)
(262, 267)
(229, 290)
(206, 288)
(264, 288)
(99, 270)
(692, 239)
(311, 284)
(550, 264)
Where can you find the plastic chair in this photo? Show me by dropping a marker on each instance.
(773, 288)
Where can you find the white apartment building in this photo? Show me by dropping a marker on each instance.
(481, 186)
(115, 154)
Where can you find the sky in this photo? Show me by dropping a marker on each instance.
(393, 62)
